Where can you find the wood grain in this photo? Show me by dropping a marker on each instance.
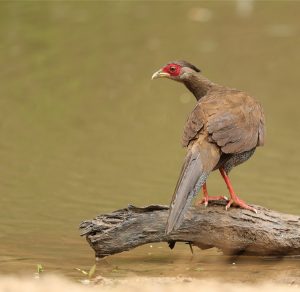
(236, 231)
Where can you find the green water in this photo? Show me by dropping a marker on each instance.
(85, 131)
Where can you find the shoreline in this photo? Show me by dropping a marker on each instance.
(54, 283)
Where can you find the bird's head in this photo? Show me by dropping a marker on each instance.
(177, 70)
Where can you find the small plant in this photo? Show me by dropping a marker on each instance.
(39, 271)
(88, 274)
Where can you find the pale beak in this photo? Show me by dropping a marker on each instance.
(160, 74)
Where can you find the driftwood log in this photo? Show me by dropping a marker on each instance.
(235, 231)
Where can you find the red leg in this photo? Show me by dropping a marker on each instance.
(234, 198)
(206, 198)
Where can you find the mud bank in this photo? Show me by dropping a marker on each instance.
(55, 283)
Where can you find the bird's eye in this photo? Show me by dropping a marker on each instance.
(172, 69)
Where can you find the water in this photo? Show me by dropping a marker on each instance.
(85, 131)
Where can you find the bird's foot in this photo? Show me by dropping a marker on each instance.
(204, 201)
(240, 203)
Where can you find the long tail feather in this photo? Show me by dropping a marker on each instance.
(199, 162)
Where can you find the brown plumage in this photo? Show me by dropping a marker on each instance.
(231, 118)
(221, 132)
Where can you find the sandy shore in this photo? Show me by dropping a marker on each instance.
(55, 284)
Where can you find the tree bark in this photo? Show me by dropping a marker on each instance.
(235, 231)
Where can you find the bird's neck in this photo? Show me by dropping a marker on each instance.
(198, 85)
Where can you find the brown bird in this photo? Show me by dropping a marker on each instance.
(221, 132)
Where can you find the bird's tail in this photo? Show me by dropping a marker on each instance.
(200, 160)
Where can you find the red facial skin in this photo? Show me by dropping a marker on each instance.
(172, 69)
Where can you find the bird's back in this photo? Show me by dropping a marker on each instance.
(232, 119)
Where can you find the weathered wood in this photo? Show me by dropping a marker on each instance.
(235, 231)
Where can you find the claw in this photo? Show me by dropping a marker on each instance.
(241, 204)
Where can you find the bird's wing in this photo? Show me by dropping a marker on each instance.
(193, 125)
(233, 120)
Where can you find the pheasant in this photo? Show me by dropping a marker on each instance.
(221, 132)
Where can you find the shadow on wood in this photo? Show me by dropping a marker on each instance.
(235, 231)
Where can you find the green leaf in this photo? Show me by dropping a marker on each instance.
(40, 268)
(92, 271)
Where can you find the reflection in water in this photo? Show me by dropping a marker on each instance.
(84, 131)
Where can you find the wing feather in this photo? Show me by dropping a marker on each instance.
(233, 119)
